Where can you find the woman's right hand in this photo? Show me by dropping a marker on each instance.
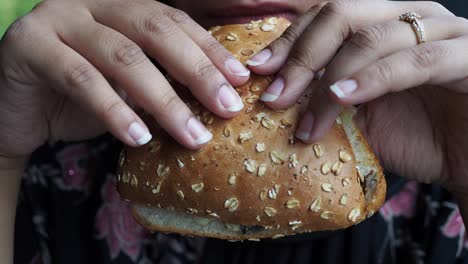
(67, 68)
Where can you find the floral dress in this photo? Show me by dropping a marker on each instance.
(70, 212)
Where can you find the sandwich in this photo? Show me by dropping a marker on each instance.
(254, 179)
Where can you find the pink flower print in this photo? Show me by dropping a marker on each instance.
(74, 175)
(402, 204)
(454, 226)
(115, 223)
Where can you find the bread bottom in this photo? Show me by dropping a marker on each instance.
(372, 182)
(164, 220)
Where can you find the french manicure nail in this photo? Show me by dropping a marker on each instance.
(139, 134)
(273, 91)
(344, 88)
(237, 68)
(230, 99)
(305, 126)
(260, 58)
(198, 132)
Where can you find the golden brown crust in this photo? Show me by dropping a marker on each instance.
(253, 172)
(243, 41)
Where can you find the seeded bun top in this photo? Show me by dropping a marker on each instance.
(254, 172)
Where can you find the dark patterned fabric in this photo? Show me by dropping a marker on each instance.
(70, 212)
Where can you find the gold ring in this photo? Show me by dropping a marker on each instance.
(418, 26)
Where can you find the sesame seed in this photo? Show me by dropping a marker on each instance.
(293, 161)
(354, 214)
(260, 147)
(270, 211)
(318, 150)
(336, 168)
(325, 215)
(344, 199)
(326, 167)
(197, 187)
(227, 131)
(162, 170)
(250, 165)
(180, 163)
(262, 169)
(231, 204)
(134, 181)
(267, 27)
(245, 136)
(315, 205)
(327, 187)
(276, 158)
(180, 194)
(293, 203)
(268, 123)
(232, 179)
(232, 36)
(344, 156)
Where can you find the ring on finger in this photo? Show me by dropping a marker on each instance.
(417, 25)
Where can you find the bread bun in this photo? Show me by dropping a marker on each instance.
(253, 179)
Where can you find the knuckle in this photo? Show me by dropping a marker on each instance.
(383, 73)
(302, 58)
(368, 38)
(169, 102)
(204, 70)
(80, 75)
(20, 29)
(288, 37)
(129, 54)
(426, 56)
(112, 108)
(155, 23)
(332, 9)
(211, 45)
(178, 16)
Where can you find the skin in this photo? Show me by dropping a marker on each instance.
(82, 71)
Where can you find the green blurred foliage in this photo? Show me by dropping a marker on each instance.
(11, 9)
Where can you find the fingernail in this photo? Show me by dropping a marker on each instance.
(273, 91)
(260, 58)
(139, 134)
(344, 88)
(305, 126)
(198, 131)
(230, 99)
(237, 68)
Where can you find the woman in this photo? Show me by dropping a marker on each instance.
(71, 70)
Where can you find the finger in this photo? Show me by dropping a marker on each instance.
(432, 63)
(378, 41)
(81, 82)
(264, 62)
(167, 43)
(235, 72)
(324, 36)
(122, 60)
(366, 46)
(318, 118)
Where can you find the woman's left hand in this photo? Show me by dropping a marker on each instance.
(414, 98)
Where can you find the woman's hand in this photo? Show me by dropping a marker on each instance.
(67, 68)
(414, 98)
